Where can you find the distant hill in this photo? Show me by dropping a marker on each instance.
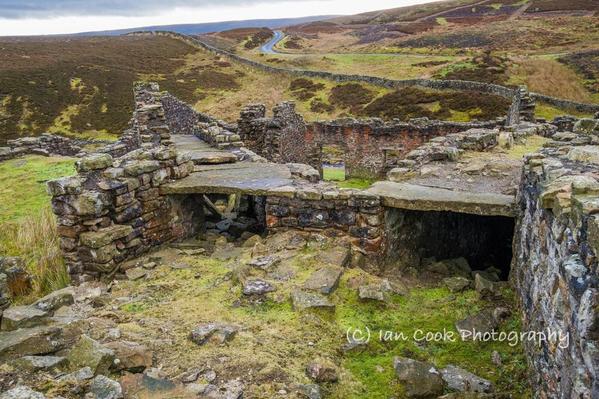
(189, 29)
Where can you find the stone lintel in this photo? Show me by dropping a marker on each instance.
(423, 198)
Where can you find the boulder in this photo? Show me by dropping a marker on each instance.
(136, 273)
(104, 388)
(34, 341)
(90, 353)
(78, 376)
(265, 262)
(420, 379)
(213, 332)
(460, 380)
(480, 323)
(486, 289)
(338, 256)
(131, 356)
(22, 392)
(585, 154)
(22, 317)
(305, 300)
(324, 280)
(39, 363)
(322, 370)
(309, 391)
(257, 287)
(55, 300)
(378, 291)
(456, 284)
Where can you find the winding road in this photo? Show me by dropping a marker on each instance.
(268, 47)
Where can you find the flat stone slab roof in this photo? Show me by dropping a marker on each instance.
(426, 198)
(201, 152)
(249, 178)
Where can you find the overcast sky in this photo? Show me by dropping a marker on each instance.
(34, 17)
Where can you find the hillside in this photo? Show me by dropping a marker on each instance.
(82, 87)
(190, 29)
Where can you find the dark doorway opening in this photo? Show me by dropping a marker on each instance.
(484, 241)
(235, 214)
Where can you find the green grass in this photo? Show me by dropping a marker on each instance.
(23, 184)
(274, 331)
(333, 174)
(549, 112)
(27, 225)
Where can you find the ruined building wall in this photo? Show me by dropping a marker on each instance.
(113, 210)
(555, 273)
(287, 138)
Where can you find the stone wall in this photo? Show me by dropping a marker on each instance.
(348, 212)
(367, 143)
(183, 119)
(112, 210)
(46, 145)
(555, 268)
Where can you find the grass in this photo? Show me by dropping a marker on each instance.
(35, 240)
(276, 342)
(27, 225)
(23, 184)
(547, 76)
(357, 183)
(333, 174)
(548, 112)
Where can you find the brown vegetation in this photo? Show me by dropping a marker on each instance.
(350, 95)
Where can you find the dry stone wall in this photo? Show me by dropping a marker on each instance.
(555, 268)
(356, 214)
(112, 210)
(46, 144)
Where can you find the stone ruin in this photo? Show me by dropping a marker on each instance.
(452, 191)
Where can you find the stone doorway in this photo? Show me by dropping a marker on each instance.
(417, 238)
(333, 162)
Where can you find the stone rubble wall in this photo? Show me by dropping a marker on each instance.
(47, 144)
(352, 213)
(554, 268)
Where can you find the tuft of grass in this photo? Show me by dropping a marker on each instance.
(357, 183)
(35, 239)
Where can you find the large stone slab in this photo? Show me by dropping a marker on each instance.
(424, 198)
(241, 177)
(200, 152)
(31, 341)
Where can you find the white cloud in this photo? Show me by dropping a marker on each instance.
(282, 9)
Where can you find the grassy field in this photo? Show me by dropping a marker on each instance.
(27, 225)
(23, 184)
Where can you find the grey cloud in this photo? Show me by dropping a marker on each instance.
(16, 9)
